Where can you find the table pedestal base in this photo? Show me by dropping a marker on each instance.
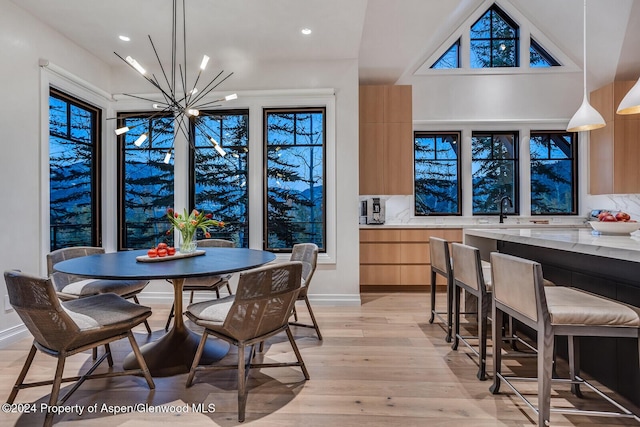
(173, 353)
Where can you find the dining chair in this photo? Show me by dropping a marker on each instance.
(307, 253)
(260, 309)
(551, 311)
(441, 265)
(62, 329)
(70, 287)
(207, 283)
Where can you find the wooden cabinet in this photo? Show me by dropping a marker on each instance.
(397, 259)
(614, 150)
(386, 135)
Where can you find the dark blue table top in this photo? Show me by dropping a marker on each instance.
(123, 265)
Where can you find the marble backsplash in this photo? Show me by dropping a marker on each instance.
(399, 211)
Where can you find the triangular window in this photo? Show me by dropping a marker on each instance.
(450, 59)
(540, 58)
(494, 40)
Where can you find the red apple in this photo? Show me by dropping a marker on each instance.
(623, 216)
(602, 215)
(609, 218)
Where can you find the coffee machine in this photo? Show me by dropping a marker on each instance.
(375, 211)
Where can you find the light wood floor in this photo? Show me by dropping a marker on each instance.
(380, 364)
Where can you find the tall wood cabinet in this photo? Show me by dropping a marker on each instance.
(397, 259)
(614, 150)
(386, 135)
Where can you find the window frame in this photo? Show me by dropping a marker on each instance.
(574, 171)
(96, 159)
(120, 116)
(192, 164)
(514, 160)
(436, 134)
(325, 149)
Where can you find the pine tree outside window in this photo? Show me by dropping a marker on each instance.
(494, 168)
(74, 178)
(553, 173)
(437, 173)
(145, 182)
(219, 184)
(294, 141)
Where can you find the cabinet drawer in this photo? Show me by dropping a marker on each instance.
(414, 253)
(380, 253)
(415, 274)
(380, 235)
(379, 274)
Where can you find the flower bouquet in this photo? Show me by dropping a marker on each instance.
(188, 225)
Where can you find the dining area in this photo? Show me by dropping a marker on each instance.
(83, 306)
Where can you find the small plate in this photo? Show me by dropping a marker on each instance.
(620, 227)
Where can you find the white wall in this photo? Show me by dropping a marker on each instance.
(24, 41)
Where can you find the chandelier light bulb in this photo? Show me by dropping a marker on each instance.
(192, 112)
(205, 61)
(220, 150)
(122, 130)
(167, 157)
(136, 65)
(193, 91)
(231, 97)
(142, 138)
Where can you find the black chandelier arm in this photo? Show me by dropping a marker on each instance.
(206, 89)
(166, 79)
(155, 84)
(204, 93)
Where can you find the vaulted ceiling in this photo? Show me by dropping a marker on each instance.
(389, 38)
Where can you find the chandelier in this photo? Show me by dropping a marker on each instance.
(179, 99)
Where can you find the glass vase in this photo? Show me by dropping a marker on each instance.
(188, 244)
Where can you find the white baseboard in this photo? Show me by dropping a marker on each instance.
(13, 335)
(320, 299)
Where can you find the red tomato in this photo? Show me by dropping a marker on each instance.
(162, 246)
(171, 250)
(152, 253)
(162, 252)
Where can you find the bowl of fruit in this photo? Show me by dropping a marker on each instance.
(614, 223)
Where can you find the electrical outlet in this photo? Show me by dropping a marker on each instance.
(7, 304)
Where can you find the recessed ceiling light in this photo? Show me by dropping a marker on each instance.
(306, 31)
(124, 38)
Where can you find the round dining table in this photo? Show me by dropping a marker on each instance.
(173, 353)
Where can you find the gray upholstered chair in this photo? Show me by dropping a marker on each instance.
(469, 275)
(69, 286)
(260, 309)
(441, 264)
(307, 253)
(207, 283)
(62, 329)
(519, 291)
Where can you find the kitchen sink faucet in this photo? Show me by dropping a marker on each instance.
(503, 214)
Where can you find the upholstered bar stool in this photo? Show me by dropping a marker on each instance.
(469, 274)
(519, 291)
(441, 265)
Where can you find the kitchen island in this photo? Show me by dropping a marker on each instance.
(608, 265)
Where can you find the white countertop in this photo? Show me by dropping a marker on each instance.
(474, 225)
(582, 240)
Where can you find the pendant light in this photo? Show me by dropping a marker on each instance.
(630, 104)
(586, 118)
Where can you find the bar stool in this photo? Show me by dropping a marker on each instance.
(441, 264)
(469, 274)
(518, 291)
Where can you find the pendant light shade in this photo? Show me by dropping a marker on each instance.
(630, 104)
(586, 118)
